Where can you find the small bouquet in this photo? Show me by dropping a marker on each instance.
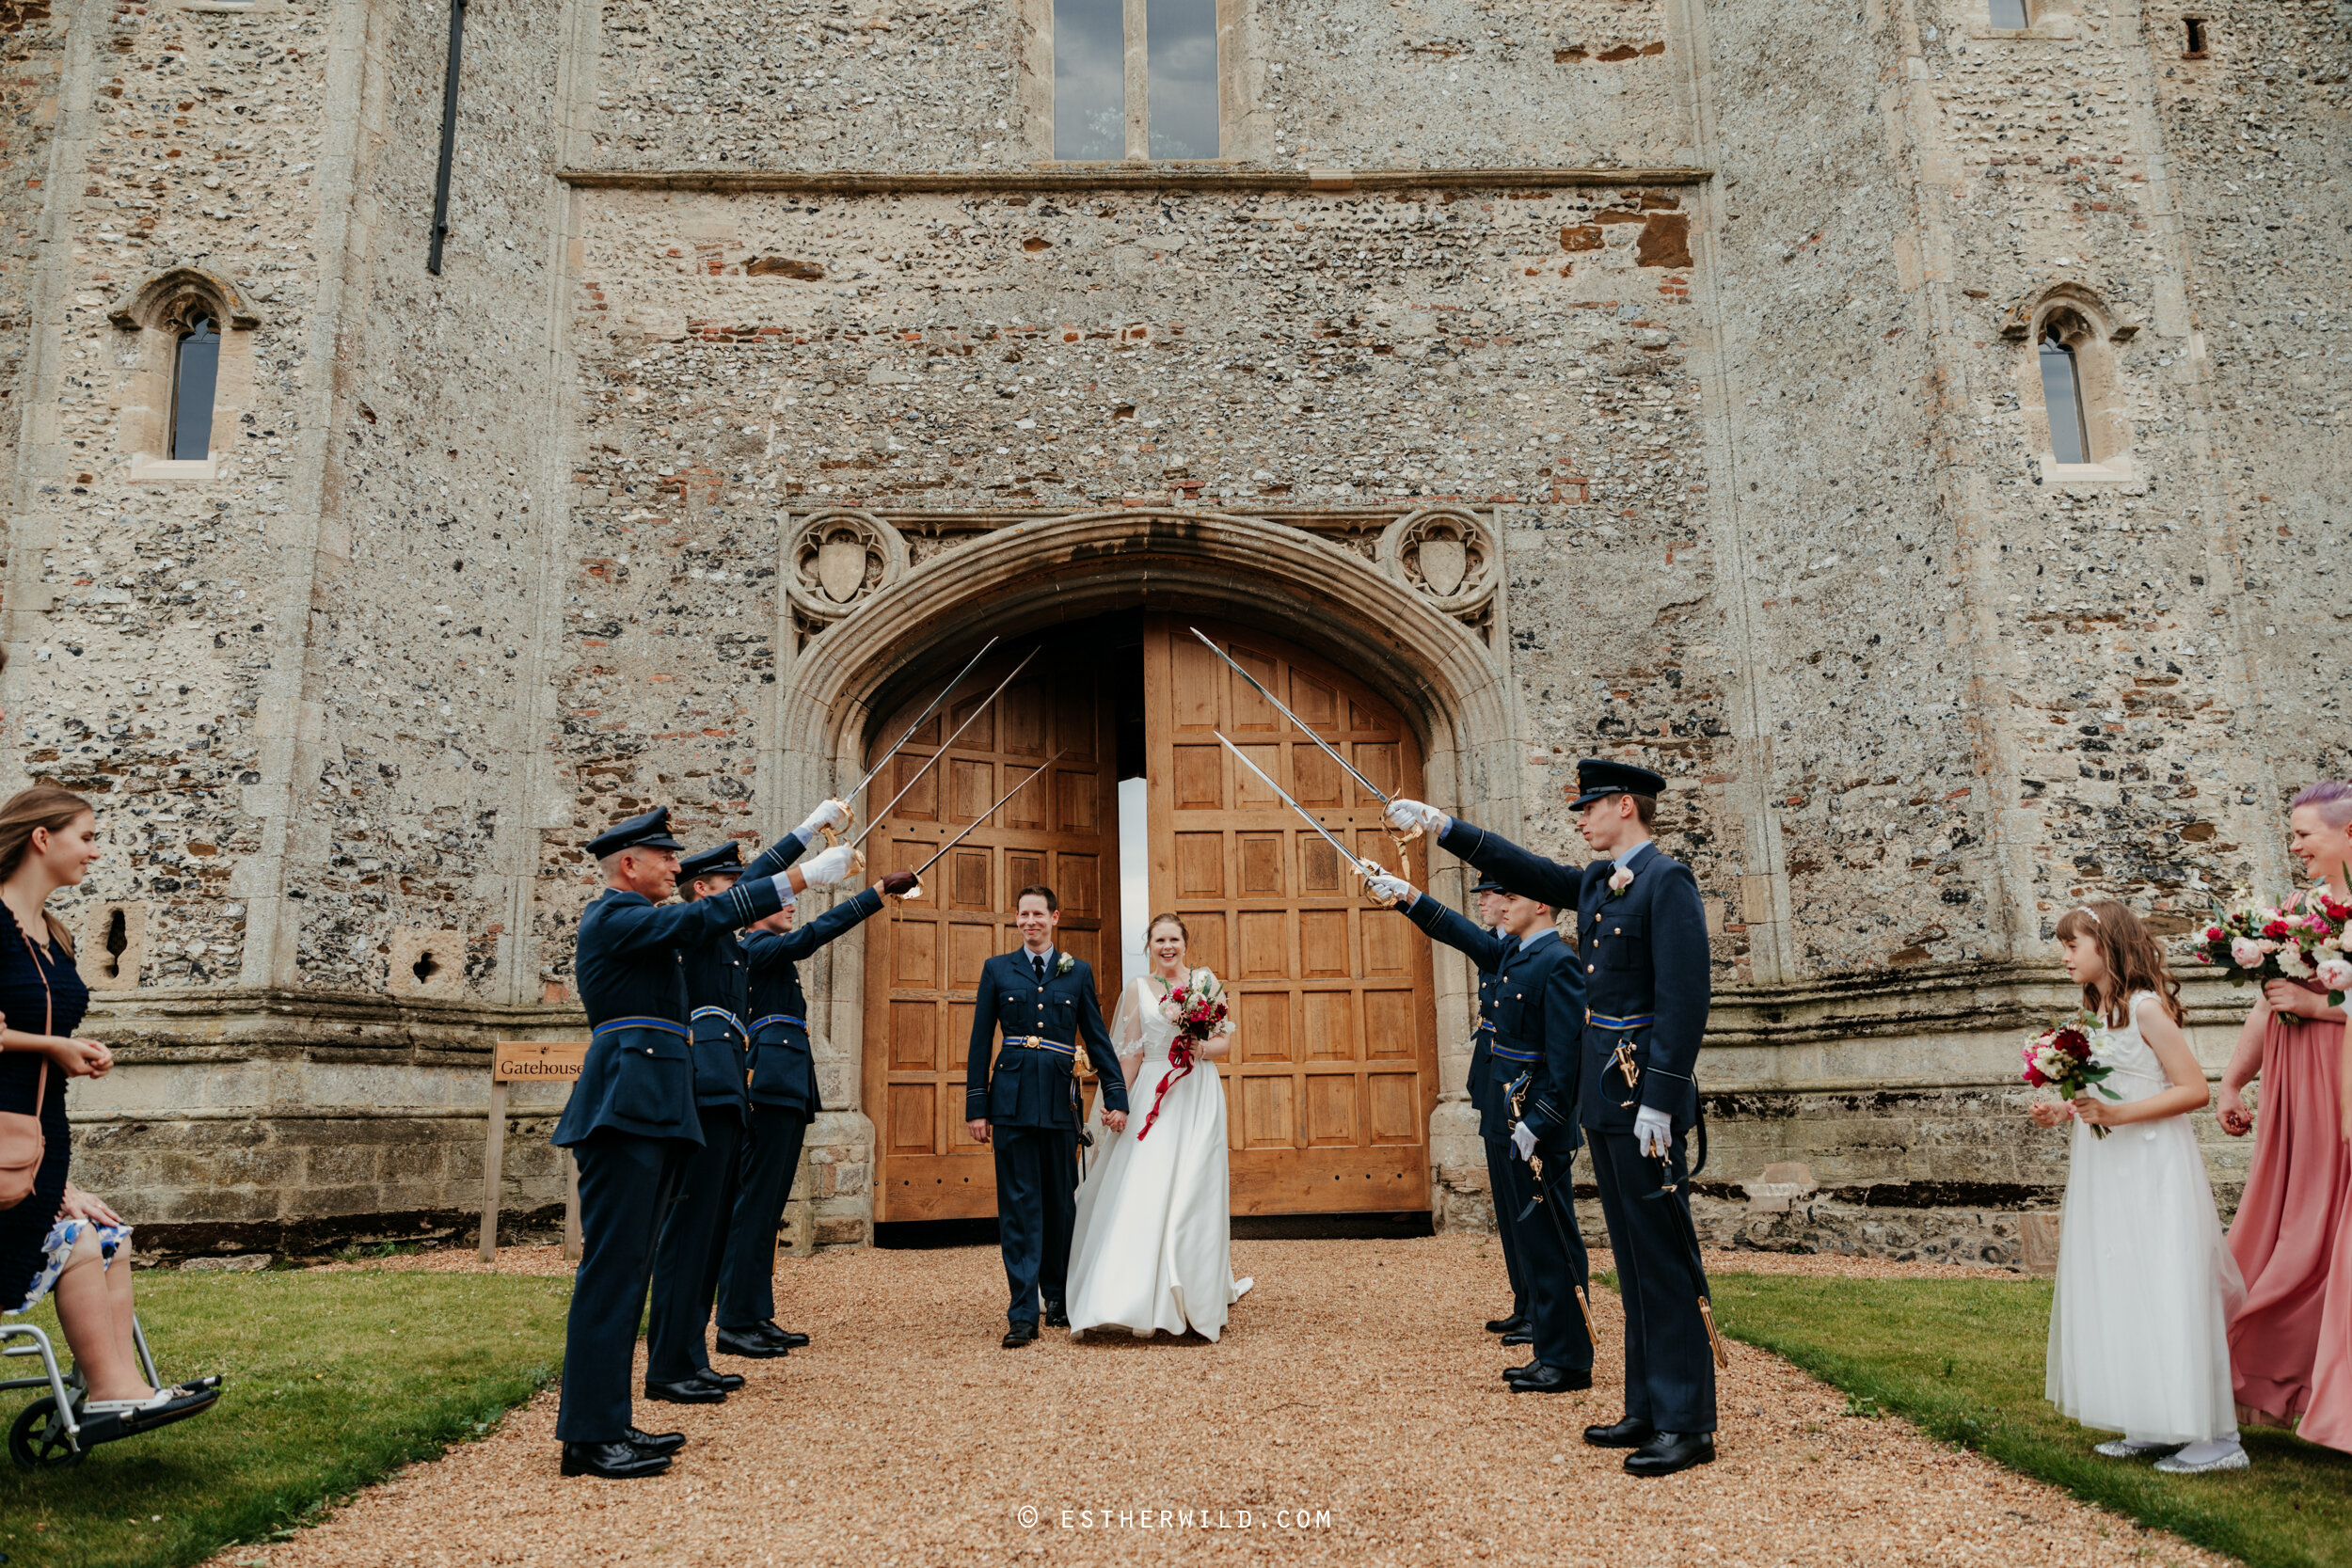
(2257, 942)
(2065, 1058)
(1197, 1008)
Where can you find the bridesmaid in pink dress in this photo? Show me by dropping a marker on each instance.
(2291, 1345)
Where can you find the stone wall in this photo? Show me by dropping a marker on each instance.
(1717, 317)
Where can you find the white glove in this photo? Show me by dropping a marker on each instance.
(1404, 816)
(783, 888)
(828, 866)
(832, 813)
(1389, 890)
(1653, 1130)
(1523, 1139)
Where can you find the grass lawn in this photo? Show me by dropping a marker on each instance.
(1963, 1360)
(332, 1381)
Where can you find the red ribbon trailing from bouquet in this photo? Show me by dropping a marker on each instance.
(1179, 1064)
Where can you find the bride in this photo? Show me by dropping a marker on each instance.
(1152, 1247)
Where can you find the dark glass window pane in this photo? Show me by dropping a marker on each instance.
(2010, 13)
(2062, 395)
(192, 392)
(1180, 38)
(1089, 80)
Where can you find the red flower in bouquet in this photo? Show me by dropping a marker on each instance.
(1197, 1010)
(2257, 943)
(2065, 1058)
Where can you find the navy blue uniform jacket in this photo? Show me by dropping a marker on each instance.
(1031, 1088)
(1538, 1009)
(631, 963)
(1643, 953)
(1482, 1075)
(783, 1074)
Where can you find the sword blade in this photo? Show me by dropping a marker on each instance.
(919, 723)
(988, 812)
(943, 747)
(1345, 853)
(1328, 749)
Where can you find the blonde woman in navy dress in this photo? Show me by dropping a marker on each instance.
(61, 1239)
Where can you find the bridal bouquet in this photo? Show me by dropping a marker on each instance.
(1197, 1008)
(2065, 1058)
(2257, 943)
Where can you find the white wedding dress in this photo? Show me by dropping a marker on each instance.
(2146, 1286)
(1152, 1246)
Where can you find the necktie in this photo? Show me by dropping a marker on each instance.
(1036, 961)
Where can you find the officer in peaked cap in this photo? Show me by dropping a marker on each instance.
(1489, 1097)
(1642, 934)
(1536, 1005)
(631, 1123)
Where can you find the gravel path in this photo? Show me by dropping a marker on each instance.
(1353, 1413)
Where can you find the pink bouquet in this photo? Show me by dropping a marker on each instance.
(2065, 1058)
(2306, 944)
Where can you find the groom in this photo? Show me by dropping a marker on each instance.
(1028, 1108)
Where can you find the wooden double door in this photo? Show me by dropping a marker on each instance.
(1332, 1077)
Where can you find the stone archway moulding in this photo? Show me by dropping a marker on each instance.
(1411, 601)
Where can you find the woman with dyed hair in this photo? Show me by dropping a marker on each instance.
(2291, 1345)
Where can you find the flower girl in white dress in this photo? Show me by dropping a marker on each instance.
(2139, 1329)
(1152, 1245)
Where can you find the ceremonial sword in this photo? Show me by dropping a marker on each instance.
(1402, 839)
(944, 745)
(916, 892)
(832, 835)
(1365, 869)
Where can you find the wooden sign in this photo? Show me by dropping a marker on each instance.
(537, 1061)
(528, 1062)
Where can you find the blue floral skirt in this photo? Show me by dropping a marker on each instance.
(59, 1246)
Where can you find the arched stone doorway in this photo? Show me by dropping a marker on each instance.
(1408, 605)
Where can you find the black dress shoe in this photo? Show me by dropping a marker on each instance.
(728, 1382)
(754, 1346)
(784, 1336)
(1056, 1317)
(692, 1391)
(1543, 1379)
(613, 1460)
(655, 1443)
(1511, 1325)
(1669, 1452)
(1627, 1433)
(1020, 1334)
(1519, 1336)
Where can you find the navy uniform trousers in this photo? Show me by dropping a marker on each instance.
(747, 1279)
(686, 1263)
(1037, 1209)
(627, 1184)
(1669, 1362)
(1498, 1155)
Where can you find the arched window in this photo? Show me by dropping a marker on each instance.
(195, 377)
(2062, 392)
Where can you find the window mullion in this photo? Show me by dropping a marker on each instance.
(1139, 77)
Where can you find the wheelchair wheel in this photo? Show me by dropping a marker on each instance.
(37, 1440)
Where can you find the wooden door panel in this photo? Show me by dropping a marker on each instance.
(924, 957)
(1333, 1075)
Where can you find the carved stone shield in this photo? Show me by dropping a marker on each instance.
(841, 567)
(1443, 564)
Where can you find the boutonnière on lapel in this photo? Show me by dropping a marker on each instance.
(1065, 964)
(1620, 879)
